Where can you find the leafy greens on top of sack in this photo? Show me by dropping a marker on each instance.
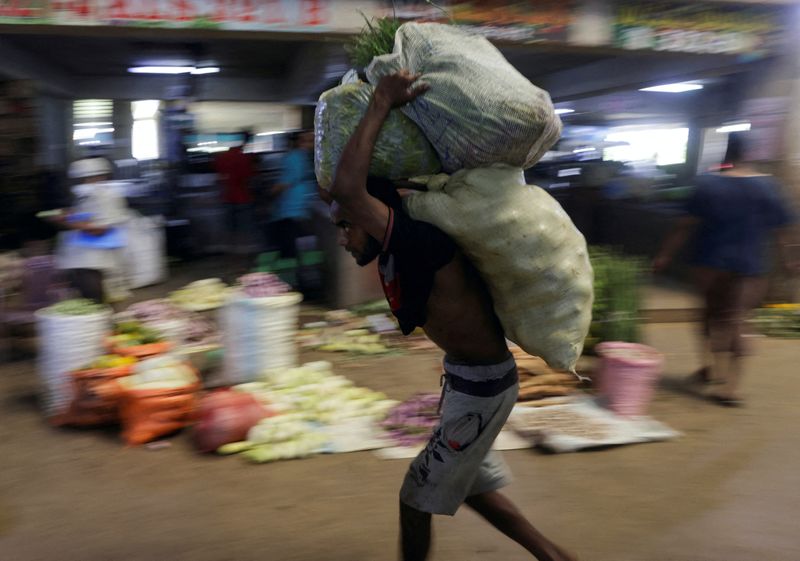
(375, 38)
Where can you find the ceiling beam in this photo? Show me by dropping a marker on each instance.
(314, 68)
(206, 88)
(608, 76)
(20, 65)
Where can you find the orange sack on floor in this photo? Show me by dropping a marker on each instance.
(149, 413)
(95, 399)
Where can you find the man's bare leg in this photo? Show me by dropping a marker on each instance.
(415, 533)
(501, 513)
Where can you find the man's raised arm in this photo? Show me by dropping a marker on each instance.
(349, 187)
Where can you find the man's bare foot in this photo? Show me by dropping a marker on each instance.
(726, 400)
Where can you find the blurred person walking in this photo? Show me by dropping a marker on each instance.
(236, 171)
(733, 215)
(92, 248)
(294, 194)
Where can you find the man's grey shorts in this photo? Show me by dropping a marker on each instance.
(458, 461)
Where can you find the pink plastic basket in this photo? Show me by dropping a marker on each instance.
(627, 377)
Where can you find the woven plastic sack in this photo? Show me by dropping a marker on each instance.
(66, 343)
(95, 400)
(479, 110)
(258, 335)
(401, 150)
(148, 414)
(531, 256)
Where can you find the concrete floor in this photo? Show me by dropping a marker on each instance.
(726, 491)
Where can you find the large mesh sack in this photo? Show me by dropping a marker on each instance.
(401, 150)
(533, 259)
(155, 403)
(66, 343)
(479, 110)
(258, 334)
(149, 414)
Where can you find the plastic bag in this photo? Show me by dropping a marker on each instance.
(150, 413)
(533, 259)
(226, 416)
(401, 150)
(479, 110)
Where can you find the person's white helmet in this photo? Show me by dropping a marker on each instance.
(89, 167)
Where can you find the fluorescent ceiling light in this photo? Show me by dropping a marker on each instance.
(209, 149)
(173, 70)
(582, 150)
(564, 111)
(161, 69)
(678, 87)
(95, 124)
(83, 134)
(738, 127)
(269, 133)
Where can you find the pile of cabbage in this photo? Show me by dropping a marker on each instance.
(201, 295)
(304, 399)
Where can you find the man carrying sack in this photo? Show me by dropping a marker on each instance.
(430, 284)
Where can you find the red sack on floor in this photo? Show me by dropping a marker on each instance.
(226, 416)
(147, 414)
(95, 399)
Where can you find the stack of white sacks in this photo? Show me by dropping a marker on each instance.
(66, 343)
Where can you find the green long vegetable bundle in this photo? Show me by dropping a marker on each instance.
(615, 313)
(375, 39)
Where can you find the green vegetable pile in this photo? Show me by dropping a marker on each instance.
(615, 313)
(779, 320)
(133, 334)
(376, 38)
(76, 307)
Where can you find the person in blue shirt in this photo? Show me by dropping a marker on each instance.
(294, 193)
(733, 214)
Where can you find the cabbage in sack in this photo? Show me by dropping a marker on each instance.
(529, 253)
(401, 150)
(479, 111)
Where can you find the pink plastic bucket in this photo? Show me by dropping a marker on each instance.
(627, 376)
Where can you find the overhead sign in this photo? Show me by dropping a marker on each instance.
(512, 20)
(697, 27)
(687, 26)
(256, 15)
